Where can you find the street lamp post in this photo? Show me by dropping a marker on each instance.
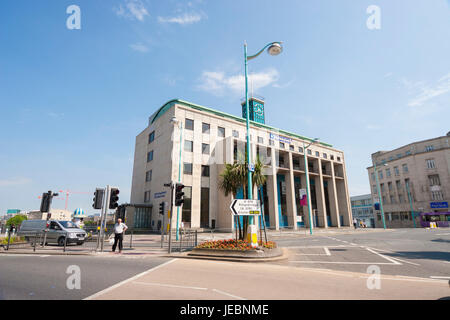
(379, 195)
(273, 48)
(175, 121)
(307, 184)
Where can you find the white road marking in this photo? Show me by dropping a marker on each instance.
(442, 234)
(128, 280)
(383, 256)
(168, 285)
(346, 262)
(439, 277)
(228, 294)
(327, 253)
(414, 264)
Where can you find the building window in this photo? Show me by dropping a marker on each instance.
(431, 164)
(189, 124)
(429, 148)
(309, 152)
(188, 146)
(187, 205)
(396, 171)
(398, 185)
(300, 149)
(235, 133)
(260, 140)
(373, 176)
(382, 187)
(281, 145)
(148, 176)
(150, 156)
(400, 198)
(339, 159)
(205, 171)
(434, 180)
(388, 172)
(392, 199)
(405, 168)
(325, 156)
(380, 174)
(205, 128)
(317, 154)
(205, 148)
(221, 132)
(271, 142)
(151, 137)
(187, 168)
(437, 195)
(390, 186)
(291, 147)
(147, 196)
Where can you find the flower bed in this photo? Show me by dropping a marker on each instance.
(231, 244)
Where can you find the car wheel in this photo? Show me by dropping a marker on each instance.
(61, 241)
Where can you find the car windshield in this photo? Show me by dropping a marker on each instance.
(68, 224)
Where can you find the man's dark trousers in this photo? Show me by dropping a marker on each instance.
(118, 237)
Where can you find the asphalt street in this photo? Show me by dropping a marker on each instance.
(408, 252)
(28, 277)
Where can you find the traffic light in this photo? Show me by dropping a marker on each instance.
(114, 198)
(161, 208)
(377, 206)
(46, 201)
(179, 194)
(98, 198)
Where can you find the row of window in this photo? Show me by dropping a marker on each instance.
(187, 169)
(407, 153)
(189, 147)
(189, 125)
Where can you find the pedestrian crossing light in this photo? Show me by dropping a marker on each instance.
(114, 198)
(161, 208)
(179, 194)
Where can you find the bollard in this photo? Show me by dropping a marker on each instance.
(35, 240)
(65, 243)
(195, 237)
(181, 239)
(131, 240)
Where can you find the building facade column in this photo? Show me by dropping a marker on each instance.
(290, 195)
(334, 206)
(272, 193)
(321, 207)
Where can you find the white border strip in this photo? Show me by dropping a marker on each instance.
(128, 280)
(228, 294)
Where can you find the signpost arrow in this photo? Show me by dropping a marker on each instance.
(245, 207)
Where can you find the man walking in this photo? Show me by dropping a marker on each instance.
(119, 230)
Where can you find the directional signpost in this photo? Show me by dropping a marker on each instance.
(245, 207)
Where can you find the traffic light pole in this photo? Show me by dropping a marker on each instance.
(172, 188)
(102, 230)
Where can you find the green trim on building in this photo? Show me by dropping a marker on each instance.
(171, 103)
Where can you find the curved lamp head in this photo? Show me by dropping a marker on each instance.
(275, 49)
(174, 121)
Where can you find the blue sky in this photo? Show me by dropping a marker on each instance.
(73, 101)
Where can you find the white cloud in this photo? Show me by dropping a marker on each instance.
(14, 182)
(132, 9)
(428, 92)
(139, 47)
(219, 82)
(184, 19)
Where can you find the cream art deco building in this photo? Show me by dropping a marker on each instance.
(414, 178)
(206, 140)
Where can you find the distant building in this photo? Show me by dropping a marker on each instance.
(57, 214)
(362, 210)
(416, 175)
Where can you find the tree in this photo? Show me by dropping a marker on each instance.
(16, 220)
(234, 177)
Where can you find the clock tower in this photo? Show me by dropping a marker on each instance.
(256, 109)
